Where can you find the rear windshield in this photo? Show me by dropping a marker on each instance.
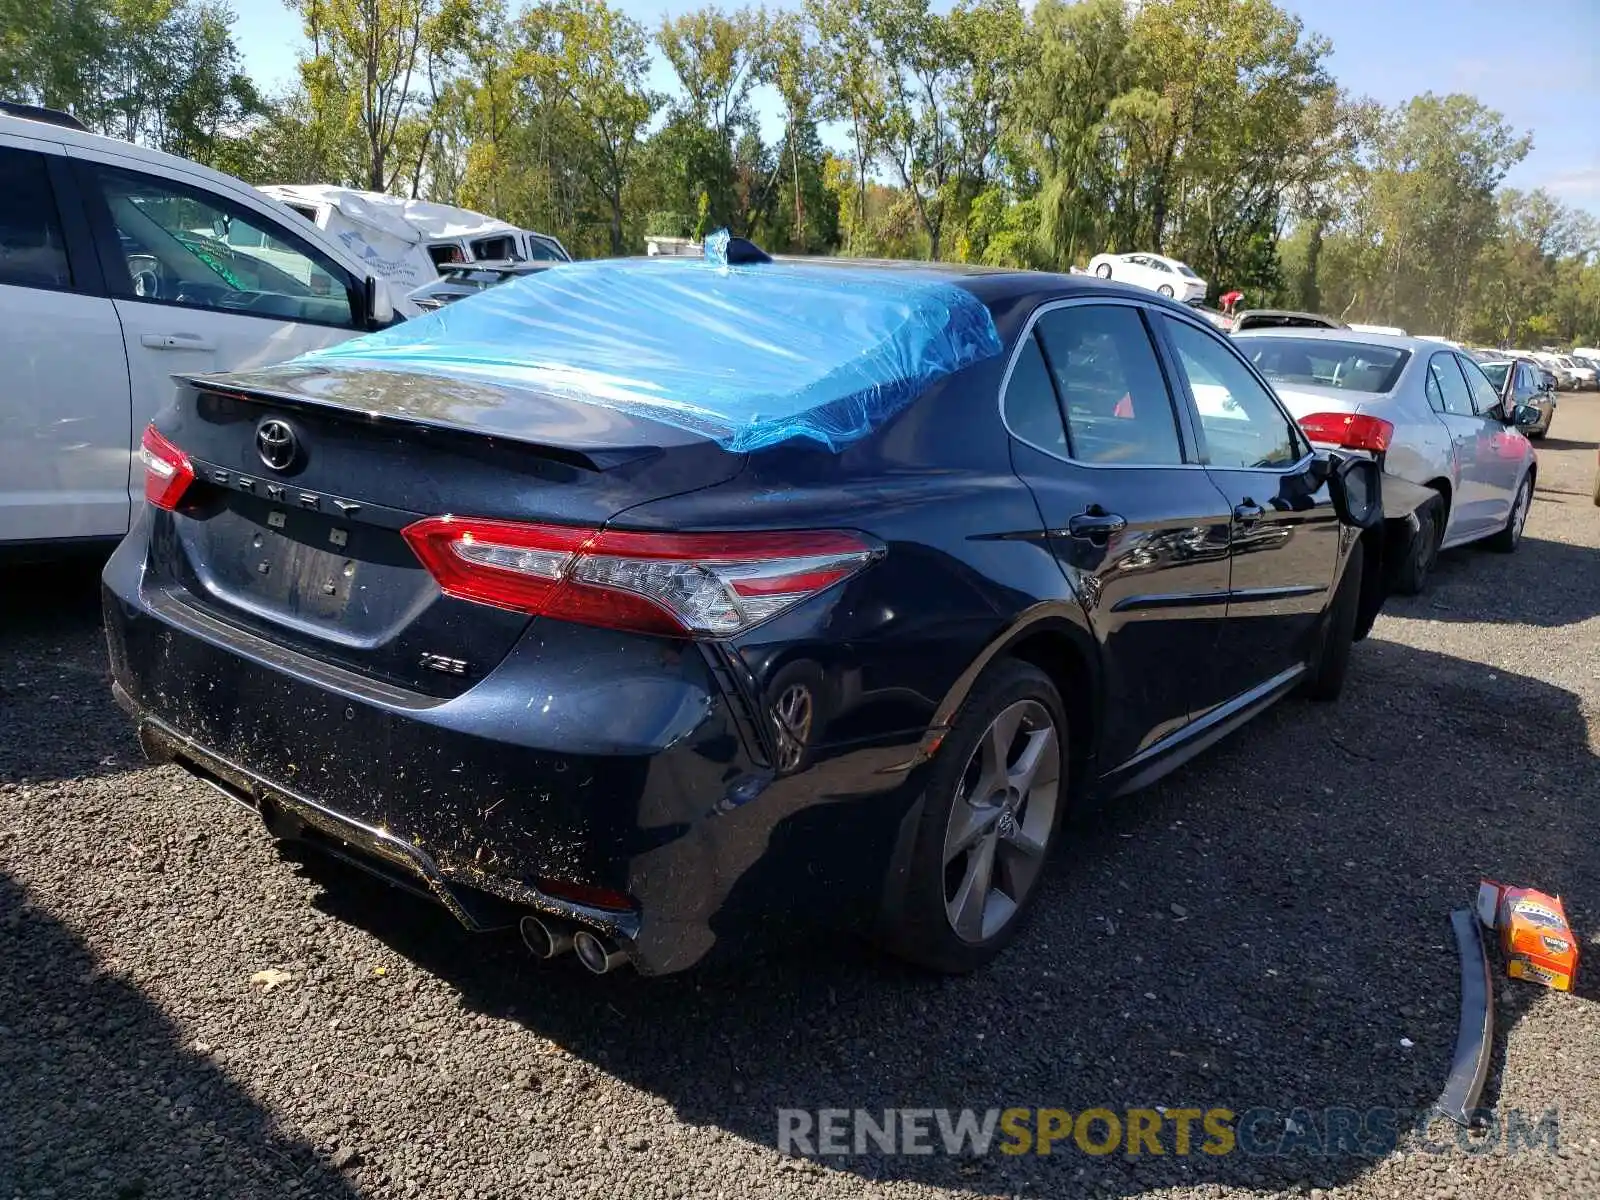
(1496, 371)
(1353, 366)
(1186, 271)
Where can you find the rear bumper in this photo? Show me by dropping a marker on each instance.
(578, 762)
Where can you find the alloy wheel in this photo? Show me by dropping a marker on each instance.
(792, 715)
(1519, 518)
(1000, 821)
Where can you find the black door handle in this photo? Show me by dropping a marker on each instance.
(1095, 524)
(1249, 512)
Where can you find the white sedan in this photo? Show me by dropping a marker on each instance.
(1165, 275)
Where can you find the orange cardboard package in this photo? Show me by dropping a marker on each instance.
(1536, 939)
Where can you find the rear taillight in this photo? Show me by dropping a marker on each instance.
(1353, 431)
(167, 470)
(685, 584)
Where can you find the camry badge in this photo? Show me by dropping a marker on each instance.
(277, 444)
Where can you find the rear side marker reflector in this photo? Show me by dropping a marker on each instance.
(683, 584)
(1351, 431)
(167, 470)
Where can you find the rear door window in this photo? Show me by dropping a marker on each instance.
(33, 252)
(1447, 390)
(1117, 406)
(1485, 396)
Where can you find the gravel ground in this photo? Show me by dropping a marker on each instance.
(1268, 927)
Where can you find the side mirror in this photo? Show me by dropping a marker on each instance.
(380, 309)
(1357, 489)
(1525, 415)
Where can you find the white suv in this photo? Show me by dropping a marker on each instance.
(119, 268)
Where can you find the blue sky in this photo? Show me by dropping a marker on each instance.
(1538, 62)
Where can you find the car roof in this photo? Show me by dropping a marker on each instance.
(1414, 344)
(62, 135)
(992, 285)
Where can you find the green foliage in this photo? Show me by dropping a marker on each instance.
(977, 130)
(162, 72)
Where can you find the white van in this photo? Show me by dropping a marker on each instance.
(411, 241)
(119, 268)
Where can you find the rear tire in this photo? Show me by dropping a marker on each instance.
(1166, 290)
(1509, 538)
(1103, 270)
(1332, 660)
(1422, 550)
(990, 816)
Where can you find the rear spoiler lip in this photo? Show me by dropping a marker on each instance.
(1469, 1064)
(589, 458)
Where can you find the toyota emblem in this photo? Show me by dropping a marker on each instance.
(277, 444)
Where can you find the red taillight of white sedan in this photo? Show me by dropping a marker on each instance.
(1350, 431)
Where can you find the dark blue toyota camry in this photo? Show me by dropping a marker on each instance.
(652, 606)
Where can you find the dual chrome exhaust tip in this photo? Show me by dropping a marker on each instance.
(547, 939)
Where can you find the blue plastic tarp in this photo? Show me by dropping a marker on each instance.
(747, 355)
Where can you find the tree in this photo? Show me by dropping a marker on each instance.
(718, 58)
(164, 73)
(366, 59)
(1060, 141)
(852, 88)
(1436, 169)
(587, 63)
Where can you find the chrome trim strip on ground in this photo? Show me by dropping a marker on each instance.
(1469, 1065)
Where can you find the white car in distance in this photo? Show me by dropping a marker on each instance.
(1167, 276)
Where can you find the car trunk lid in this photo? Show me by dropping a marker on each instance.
(306, 477)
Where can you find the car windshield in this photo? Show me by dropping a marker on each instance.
(1496, 371)
(1352, 366)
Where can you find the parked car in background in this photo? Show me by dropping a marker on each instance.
(1524, 390)
(710, 601)
(1583, 374)
(1167, 276)
(1386, 330)
(120, 266)
(1565, 377)
(1455, 469)
(1591, 354)
(412, 241)
(1279, 318)
(468, 279)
